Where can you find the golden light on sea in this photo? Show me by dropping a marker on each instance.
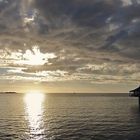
(34, 113)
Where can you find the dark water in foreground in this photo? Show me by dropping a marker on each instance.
(69, 117)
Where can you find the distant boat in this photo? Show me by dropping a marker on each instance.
(135, 92)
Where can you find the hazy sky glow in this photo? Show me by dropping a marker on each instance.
(69, 45)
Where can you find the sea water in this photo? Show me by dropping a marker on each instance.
(69, 117)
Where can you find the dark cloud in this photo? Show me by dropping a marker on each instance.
(94, 15)
(78, 32)
(89, 13)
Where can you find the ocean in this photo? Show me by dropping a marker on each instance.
(69, 117)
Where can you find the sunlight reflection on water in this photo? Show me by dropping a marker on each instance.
(34, 114)
(39, 116)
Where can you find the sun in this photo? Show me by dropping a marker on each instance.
(35, 57)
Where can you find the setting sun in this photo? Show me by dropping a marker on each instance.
(34, 57)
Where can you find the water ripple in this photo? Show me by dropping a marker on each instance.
(69, 118)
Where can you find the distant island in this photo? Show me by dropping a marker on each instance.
(8, 92)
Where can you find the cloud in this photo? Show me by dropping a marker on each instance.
(95, 40)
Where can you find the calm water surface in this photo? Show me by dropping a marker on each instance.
(69, 117)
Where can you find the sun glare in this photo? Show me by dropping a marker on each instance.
(34, 112)
(35, 57)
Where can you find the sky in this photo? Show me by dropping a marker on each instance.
(69, 45)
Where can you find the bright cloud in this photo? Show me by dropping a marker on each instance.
(29, 57)
(35, 57)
